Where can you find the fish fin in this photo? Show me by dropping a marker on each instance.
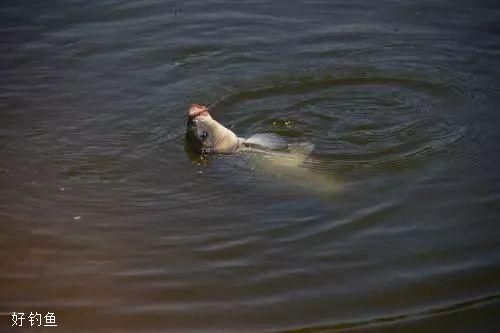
(266, 140)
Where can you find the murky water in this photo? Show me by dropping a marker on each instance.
(108, 223)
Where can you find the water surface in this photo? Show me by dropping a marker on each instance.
(108, 223)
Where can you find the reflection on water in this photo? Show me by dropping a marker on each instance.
(110, 223)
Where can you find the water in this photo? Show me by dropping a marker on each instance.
(108, 223)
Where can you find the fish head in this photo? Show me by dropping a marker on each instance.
(203, 133)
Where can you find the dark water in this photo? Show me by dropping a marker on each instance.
(106, 221)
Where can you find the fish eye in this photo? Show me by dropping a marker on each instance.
(204, 135)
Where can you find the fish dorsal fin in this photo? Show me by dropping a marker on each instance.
(267, 141)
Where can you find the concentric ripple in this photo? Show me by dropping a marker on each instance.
(358, 124)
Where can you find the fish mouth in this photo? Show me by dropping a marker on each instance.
(197, 110)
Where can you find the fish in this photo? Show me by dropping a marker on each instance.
(207, 135)
(269, 153)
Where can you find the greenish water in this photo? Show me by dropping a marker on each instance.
(106, 221)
